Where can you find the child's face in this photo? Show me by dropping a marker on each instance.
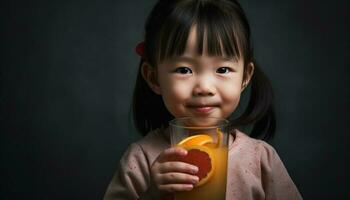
(194, 85)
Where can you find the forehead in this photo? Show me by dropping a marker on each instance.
(192, 47)
(193, 54)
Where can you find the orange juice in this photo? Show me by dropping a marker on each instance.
(215, 187)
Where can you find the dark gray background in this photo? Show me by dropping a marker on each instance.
(68, 72)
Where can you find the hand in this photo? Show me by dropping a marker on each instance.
(170, 175)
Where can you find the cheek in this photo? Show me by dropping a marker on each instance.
(174, 94)
(180, 90)
(230, 94)
(175, 90)
(231, 100)
(233, 93)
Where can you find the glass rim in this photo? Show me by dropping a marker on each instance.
(221, 122)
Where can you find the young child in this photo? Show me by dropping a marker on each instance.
(196, 60)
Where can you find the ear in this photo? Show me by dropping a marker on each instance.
(249, 71)
(149, 73)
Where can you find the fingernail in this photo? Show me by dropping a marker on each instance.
(189, 187)
(196, 179)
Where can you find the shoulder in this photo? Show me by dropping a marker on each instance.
(252, 148)
(154, 142)
(242, 140)
(154, 137)
(147, 149)
(258, 151)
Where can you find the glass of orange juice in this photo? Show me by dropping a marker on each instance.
(206, 140)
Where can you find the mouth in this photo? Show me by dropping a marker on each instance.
(203, 108)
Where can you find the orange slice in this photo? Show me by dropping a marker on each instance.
(196, 140)
(203, 158)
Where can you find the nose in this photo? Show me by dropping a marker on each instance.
(204, 87)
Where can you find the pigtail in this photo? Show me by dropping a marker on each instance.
(149, 111)
(260, 112)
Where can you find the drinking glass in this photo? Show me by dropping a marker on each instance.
(206, 140)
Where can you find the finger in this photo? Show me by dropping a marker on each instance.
(175, 177)
(175, 166)
(170, 188)
(171, 153)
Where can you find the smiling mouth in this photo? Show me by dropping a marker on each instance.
(205, 109)
(202, 109)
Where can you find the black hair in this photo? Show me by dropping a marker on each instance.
(223, 25)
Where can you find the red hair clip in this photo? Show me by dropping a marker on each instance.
(140, 49)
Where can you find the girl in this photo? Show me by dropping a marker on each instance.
(196, 60)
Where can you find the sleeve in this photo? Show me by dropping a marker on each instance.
(132, 177)
(276, 181)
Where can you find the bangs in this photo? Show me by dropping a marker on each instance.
(215, 27)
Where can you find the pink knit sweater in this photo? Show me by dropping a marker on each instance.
(255, 170)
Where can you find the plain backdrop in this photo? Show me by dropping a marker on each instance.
(68, 71)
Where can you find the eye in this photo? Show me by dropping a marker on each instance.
(223, 70)
(183, 70)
